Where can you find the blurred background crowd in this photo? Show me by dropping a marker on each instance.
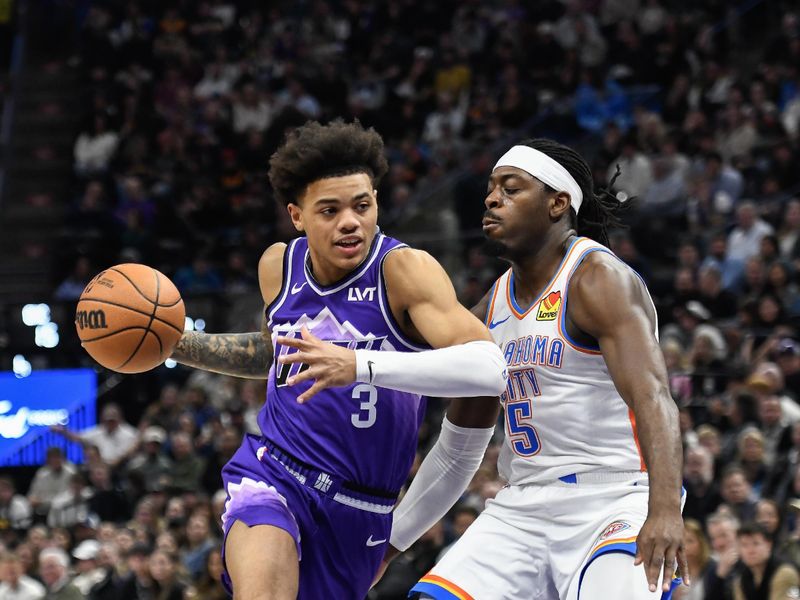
(142, 134)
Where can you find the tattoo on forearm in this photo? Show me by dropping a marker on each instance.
(239, 354)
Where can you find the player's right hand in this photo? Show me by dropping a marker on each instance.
(329, 365)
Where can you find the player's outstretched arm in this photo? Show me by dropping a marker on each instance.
(247, 355)
(447, 469)
(609, 302)
(464, 362)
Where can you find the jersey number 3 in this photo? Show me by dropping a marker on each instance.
(367, 412)
(523, 436)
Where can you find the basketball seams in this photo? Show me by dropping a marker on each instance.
(152, 316)
(108, 335)
(158, 339)
(136, 310)
(131, 351)
(143, 295)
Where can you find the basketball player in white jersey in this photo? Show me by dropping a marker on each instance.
(592, 456)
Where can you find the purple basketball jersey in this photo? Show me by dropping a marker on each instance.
(362, 433)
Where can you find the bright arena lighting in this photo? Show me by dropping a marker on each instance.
(170, 364)
(47, 335)
(189, 324)
(199, 324)
(35, 314)
(20, 366)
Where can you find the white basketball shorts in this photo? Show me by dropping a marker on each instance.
(534, 542)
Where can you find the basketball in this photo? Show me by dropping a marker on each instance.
(129, 318)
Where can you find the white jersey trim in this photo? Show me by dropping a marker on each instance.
(388, 317)
(287, 278)
(363, 268)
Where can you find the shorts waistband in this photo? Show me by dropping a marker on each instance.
(328, 484)
(602, 477)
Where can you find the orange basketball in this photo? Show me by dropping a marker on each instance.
(129, 318)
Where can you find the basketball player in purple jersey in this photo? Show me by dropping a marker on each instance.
(366, 326)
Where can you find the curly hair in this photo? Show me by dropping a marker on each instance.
(599, 212)
(315, 151)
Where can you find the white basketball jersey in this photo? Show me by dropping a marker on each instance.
(563, 415)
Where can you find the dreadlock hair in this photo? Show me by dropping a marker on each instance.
(315, 151)
(599, 212)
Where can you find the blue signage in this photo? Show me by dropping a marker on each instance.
(29, 406)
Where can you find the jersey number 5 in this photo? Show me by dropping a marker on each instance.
(523, 436)
(367, 413)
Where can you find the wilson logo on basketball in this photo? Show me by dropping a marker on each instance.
(548, 308)
(91, 319)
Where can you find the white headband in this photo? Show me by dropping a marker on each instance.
(545, 169)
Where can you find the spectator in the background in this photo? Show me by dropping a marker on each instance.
(14, 583)
(720, 302)
(722, 528)
(709, 373)
(209, 584)
(165, 411)
(636, 170)
(54, 571)
(726, 183)
(702, 493)
(737, 493)
(779, 283)
(50, 480)
(187, 466)
(751, 458)
(787, 357)
(150, 468)
(684, 290)
(762, 575)
(199, 278)
(218, 80)
(772, 425)
(744, 241)
(138, 583)
(135, 202)
(753, 281)
(15, 510)
(730, 269)
(72, 287)
(767, 379)
(768, 516)
(95, 148)
(680, 384)
(251, 111)
(665, 195)
(113, 570)
(88, 572)
(789, 230)
(738, 135)
(164, 571)
(114, 438)
(225, 446)
(72, 505)
(199, 543)
(108, 502)
(698, 555)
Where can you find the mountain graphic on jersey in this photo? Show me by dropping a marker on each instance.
(548, 308)
(326, 327)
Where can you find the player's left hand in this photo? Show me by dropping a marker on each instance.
(328, 365)
(659, 546)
